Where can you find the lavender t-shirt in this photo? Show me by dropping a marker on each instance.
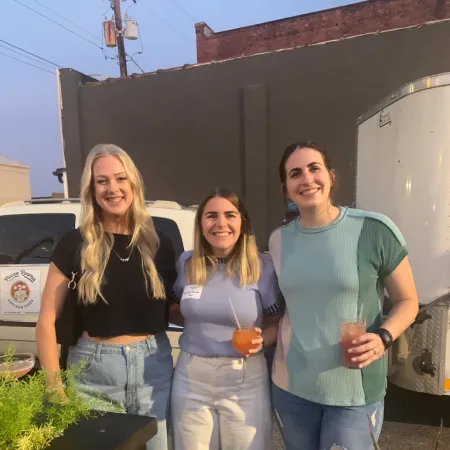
(209, 320)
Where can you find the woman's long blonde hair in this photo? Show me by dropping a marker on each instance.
(97, 243)
(244, 260)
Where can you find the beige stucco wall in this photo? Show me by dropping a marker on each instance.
(14, 183)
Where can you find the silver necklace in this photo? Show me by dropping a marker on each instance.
(124, 260)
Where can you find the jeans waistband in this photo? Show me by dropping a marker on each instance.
(156, 340)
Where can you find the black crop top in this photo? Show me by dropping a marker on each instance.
(129, 309)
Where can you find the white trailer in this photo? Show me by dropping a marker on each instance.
(403, 171)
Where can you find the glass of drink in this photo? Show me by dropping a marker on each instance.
(350, 330)
(17, 365)
(242, 340)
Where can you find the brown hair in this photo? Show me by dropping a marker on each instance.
(298, 146)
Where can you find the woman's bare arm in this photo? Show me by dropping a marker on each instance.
(53, 298)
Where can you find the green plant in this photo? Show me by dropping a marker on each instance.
(9, 353)
(29, 419)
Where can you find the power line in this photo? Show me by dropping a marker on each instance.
(57, 23)
(135, 63)
(30, 53)
(28, 64)
(169, 24)
(65, 18)
(25, 56)
(186, 13)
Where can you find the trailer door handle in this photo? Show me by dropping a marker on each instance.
(427, 366)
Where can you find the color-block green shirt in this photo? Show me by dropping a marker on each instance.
(328, 275)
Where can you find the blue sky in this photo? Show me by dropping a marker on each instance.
(29, 120)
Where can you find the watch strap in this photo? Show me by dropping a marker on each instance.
(386, 337)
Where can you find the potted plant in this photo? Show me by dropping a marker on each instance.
(30, 416)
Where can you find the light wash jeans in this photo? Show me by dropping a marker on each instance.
(306, 425)
(221, 403)
(134, 378)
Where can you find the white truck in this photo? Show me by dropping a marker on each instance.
(403, 171)
(29, 231)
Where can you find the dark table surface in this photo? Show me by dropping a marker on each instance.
(110, 431)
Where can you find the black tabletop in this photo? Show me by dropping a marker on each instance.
(110, 431)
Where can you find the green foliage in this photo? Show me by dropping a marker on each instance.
(30, 416)
(9, 353)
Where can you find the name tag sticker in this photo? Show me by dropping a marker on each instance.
(192, 292)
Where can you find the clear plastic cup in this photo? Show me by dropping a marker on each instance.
(350, 330)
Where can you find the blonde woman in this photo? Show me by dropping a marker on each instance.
(220, 392)
(119, 267)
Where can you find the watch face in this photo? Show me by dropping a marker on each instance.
(385, 337)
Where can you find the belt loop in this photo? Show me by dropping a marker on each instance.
(98, 352)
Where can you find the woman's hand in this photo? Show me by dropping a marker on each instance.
(57, 395)
(367, 348)
(258, 342)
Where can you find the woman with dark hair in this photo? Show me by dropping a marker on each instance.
(227, 292)
(333, 264)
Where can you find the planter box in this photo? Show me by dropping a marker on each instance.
(110, 431)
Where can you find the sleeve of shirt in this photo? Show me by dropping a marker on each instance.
(392, 246)
(63, 254)
(275, 249)
(180, 281)
(269, 291)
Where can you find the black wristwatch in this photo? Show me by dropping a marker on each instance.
(386, 337)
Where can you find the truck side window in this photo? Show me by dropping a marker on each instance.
(31, 238)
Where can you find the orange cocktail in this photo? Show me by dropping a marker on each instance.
(242, 340)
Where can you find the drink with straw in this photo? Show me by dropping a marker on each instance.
(242, 340)
(242, 337)
(350, 330)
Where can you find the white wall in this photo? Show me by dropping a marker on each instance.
(14, 183)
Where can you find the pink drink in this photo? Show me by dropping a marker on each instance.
(16, 366)
(349, 332)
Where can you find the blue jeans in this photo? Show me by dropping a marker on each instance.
(134, 379)
(306, 425)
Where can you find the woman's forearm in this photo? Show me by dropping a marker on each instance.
(402, 291)
(48, 354)
(401, 317)
(269, 334)
(175, 315)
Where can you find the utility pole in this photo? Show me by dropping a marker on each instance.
(115, 5)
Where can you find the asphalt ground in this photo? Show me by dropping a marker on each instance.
(413, 421)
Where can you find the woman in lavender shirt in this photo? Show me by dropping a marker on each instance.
(220, 397)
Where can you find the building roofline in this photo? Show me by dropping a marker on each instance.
(9, 162)
(285, 19)
(234, 58)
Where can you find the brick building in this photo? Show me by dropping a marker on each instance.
(371, 16)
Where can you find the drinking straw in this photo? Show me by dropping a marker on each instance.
(234, 313)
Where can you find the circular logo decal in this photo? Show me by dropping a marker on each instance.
(20, 292)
